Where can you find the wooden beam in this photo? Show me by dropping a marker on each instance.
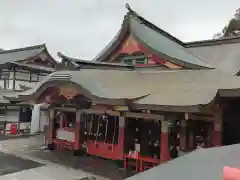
(65, 109)
(201, 117)
(145, 116)
(38, 77)
(30, 78)
(113, 113)
(100, 111)
(14, 79)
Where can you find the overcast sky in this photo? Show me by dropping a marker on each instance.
(81, 28)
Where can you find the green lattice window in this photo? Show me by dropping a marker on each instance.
(141, 60)
(133, 59)
(128, 61)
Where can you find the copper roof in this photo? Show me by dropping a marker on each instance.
(80, 62)
(33, 66)
(20, 54)
(158, 88)
(222, 54)
(16, 56)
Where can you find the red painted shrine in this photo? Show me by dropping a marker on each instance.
(114, 130)
(140, 118)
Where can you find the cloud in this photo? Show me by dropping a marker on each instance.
(82, 28)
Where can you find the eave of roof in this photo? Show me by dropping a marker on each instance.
(165, 48)
(116, 41)
(20, 54)
(153, 26)
(40, 46)
(181, 91)
(80, 61)
(213, 42)
(34, 67)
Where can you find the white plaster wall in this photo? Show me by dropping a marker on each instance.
(65, 135)
(25, 76)
(12, 116)
(25, 83)
(1, 83)
(41, 78)
(34, 77)
(21, 75)
(44, 119)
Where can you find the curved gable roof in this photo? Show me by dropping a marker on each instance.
(154, 38)
(185, 88)
(13, 55)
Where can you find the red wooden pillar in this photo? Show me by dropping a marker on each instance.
(217, 133)
(50, 129)
(121, 134)
(183, 136)
(209, 142)
(77, 143)
(191, 143)
(164, 144)
(191, 135)
(62, 121)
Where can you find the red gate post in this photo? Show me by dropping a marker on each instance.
(217, 127)
(50, 129)
(217, 133)
(121, 134)
(164, 144)
(77, 143)
(209, 141)
(191, 143)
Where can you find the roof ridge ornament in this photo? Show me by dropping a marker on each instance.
(132, 13)
(128, 7)
(129, 13)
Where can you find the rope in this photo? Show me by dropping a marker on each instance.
(91, 123)
(115, 124)
(98, 127)
(106, 131)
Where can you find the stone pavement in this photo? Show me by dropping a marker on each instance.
(48, 172)
(18, 144)
(11, 164)
(93, 165)
(56, 165)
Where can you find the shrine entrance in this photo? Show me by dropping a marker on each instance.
(231, 122)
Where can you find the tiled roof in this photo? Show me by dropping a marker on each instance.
(172, 51)
(184, 88)
(8, 93)
(14, 55)
(80, 62)
(222, 54)
(32, 66)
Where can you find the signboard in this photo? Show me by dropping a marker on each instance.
(121, 108)
(68, 91)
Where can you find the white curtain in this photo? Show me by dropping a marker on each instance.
(35, 121)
